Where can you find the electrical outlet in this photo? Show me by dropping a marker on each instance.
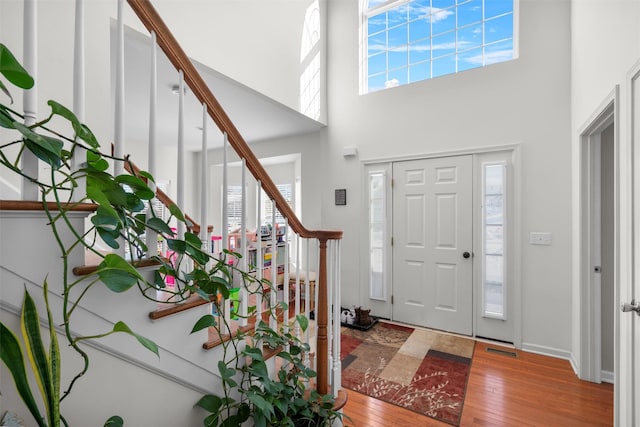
(539, 238)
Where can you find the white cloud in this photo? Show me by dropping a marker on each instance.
(391, 83)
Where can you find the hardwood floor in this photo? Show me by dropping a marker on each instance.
(528, 390)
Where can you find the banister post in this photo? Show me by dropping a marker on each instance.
(322, 342)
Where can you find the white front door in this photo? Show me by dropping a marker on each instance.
(432, 248)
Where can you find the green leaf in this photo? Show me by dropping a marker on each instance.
(264, 406)
(109, 237)
(175, 211)
(210, 403)
(147, 343)
(303, 321)
(204, 322)
(12, 356)
(225, 372)
(137, 185)
(146, 175)
(37, 353)
(160, 226)
(45, 148)
(114, 421)
(12, 70)
(117, 274)
(178, 246)
(96, 161)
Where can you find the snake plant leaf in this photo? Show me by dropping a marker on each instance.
(54, 359)
(37, 354)
(204, 322)
(6, 121)
(12, 356)
(117, 274)
(45, 148)
(12, 70)
(4, 89)
(114, 421)
(147, 343)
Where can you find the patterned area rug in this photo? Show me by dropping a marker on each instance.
(424, 371)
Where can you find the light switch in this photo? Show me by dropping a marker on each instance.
(539, 238)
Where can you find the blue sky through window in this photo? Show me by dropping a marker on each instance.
(409, 41)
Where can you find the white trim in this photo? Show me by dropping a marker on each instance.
(547, 351)
(445, 153)
(587, 285)
(607, 377)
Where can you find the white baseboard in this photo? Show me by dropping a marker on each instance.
(549, 351)
(607, 377)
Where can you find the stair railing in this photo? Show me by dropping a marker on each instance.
(325, 238)
(326, 242)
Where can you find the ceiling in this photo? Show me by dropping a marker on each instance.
(256, 116)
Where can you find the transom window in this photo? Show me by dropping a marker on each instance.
(406, 41)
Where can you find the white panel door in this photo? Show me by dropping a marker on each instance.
(628, 374)
(432, 243)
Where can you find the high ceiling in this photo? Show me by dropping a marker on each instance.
(256, 116)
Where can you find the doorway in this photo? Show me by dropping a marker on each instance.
(599, 265)
(440, 242)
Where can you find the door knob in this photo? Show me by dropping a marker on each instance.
(466, 255)
(626, 307)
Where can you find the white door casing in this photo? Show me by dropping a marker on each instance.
(432, 248)
(627, 375)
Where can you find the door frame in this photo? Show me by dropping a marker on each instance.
(589, 308)
(516, 223)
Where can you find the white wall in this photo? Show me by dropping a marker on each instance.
(256, 42)
(526, 102)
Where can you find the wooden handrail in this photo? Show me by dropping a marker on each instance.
(174, 52)
(34, 205)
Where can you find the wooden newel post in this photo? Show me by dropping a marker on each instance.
(322, 319)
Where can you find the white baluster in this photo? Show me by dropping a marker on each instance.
(297, 285)
(181, 153)
(244, 248)
(152, 236)
(29, 162)
(259, 255)
(285, 278)
(204, 184)
(273, 320)
(80, 155)
(336, 383)
(225, 227)
(118, 138)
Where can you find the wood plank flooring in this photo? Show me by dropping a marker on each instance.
(528, 390)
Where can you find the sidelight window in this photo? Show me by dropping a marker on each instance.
(494, 238)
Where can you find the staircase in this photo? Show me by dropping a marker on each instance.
(123, 377)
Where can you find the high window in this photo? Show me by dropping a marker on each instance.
(405, 41)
